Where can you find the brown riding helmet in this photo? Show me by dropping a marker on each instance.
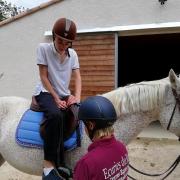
(65, 29)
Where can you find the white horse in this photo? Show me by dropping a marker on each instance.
(137, 105)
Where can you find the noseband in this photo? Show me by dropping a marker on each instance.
(177, 102)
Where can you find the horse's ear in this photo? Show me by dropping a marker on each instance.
(175, 82)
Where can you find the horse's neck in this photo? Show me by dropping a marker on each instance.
(129, 126)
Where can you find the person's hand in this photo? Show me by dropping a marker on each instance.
(71, 100)
(61, 104)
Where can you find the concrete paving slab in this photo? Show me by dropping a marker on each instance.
(155, 130)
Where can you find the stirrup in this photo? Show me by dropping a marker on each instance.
(65, 172)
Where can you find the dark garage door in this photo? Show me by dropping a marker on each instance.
(147, 57)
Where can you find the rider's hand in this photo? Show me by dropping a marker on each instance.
(71, 100)
(61, 104)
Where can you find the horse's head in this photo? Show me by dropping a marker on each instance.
(170, 115)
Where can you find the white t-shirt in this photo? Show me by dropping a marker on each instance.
(59, 74)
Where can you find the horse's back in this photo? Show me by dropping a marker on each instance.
(14, 99)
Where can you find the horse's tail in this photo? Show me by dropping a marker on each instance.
(1, 160)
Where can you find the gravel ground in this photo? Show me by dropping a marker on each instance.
(147, 154)
(154, 156)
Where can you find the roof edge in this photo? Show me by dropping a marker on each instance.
(29, 11)
(125, 28)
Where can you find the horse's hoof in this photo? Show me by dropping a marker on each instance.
(53, 175)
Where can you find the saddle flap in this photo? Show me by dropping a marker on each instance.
(28, 132)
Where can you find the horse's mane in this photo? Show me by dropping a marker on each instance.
(139, 97)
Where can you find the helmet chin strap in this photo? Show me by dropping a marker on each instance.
(66, 50)
(91, 132)
(56, 48)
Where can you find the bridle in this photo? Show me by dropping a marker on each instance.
(176, 162)
(177, 103)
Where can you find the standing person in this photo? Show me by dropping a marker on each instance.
(107, 158)
(57, 63)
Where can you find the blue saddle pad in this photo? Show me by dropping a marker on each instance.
(28, 135)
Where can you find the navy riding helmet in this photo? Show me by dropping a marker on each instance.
(99, 110)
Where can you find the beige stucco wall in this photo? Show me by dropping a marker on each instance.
(19, 39)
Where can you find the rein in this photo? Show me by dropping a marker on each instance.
(176, 162)
(168, 171)
(177, 102)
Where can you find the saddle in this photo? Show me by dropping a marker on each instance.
(72, 121)
(31, 128)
